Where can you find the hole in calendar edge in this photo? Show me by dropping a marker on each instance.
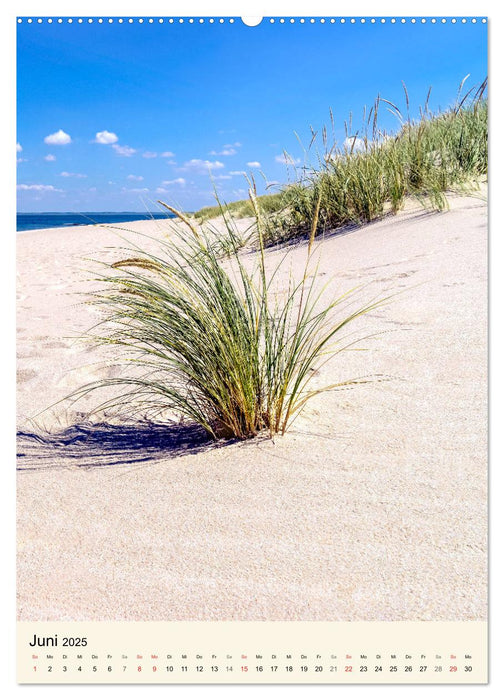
(252, 21)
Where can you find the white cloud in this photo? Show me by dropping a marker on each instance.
(21, 160)
(59, 138)
(353, 143)
(106, 137)
(49, 157)
(254, 164)
(38, 188)
(286, 159)
(227, 151)
(137, 178)
(178, 181)
(19, 148)
(236, 144)
(222, 177)
(126, 151)
(167, 154)
(237, 172)
(202, 166)
(149, 154)
(161, 190)
(65, 174)
(136, 190)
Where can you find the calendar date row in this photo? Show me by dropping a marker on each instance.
(171, 668)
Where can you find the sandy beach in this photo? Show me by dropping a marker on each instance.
(373, 506)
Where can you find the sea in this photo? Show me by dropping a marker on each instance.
(30, 222)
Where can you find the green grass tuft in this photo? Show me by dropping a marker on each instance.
(211, 341)
(373, 171)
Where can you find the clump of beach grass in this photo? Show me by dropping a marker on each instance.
(213, 342)
(373, 171)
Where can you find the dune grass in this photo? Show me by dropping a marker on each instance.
(242, 208)
(212, 341)
(373, 171)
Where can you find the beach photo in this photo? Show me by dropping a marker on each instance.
(252, 320)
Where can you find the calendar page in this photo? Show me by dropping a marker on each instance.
(252, 349)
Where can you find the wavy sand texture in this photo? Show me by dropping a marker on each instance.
(372, 508)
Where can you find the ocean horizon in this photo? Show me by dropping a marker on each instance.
(31, 221)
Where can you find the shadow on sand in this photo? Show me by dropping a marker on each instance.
(92, 446)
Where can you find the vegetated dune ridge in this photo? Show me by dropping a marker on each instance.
(373, 505)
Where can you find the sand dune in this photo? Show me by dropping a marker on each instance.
(373, 507)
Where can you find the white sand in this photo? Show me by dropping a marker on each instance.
(372, 508)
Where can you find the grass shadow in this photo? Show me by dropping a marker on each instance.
(100, 445)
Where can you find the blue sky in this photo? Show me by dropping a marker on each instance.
(112, 117)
